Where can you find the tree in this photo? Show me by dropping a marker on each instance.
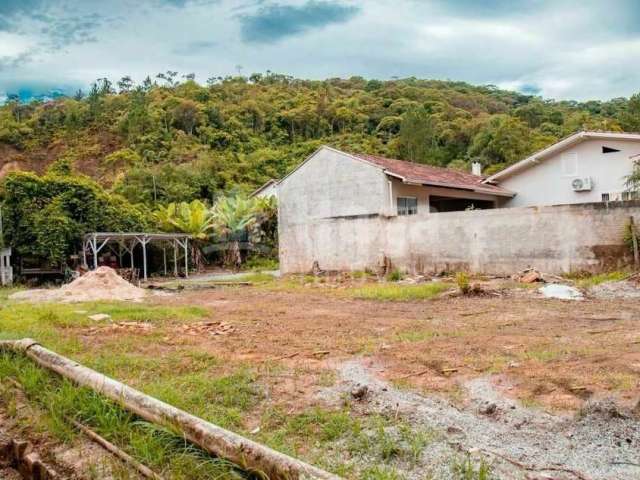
(186, 115)
(46, 216)
(194, 219)
(417, 137)
(232, 217)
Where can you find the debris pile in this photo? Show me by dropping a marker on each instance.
(102, 284)
(207, 328)
(120, 327)
(528, 275)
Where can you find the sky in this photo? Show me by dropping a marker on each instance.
(562, 49)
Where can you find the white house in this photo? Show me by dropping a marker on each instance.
(585, 167)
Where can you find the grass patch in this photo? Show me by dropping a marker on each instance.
(158, 447)
(258, 277)
(257, 264)
(395, 292)
(466, 469)
(593, 280)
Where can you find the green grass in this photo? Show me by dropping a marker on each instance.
(58, 400)
(258, 277)
(257, 264)
(184, 376)
(593, 280)
(398, 293)
(466, 469)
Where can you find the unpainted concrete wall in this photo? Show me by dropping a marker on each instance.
(554, 239)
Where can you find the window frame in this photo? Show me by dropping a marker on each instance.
(406, 209)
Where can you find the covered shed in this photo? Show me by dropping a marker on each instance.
(122, 244)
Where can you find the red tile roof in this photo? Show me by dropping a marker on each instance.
(433, 176)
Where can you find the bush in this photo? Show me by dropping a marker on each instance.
(462, 280)
(395, 275)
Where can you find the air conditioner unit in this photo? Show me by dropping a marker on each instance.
(581, 184)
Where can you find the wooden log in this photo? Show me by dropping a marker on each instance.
(246, 453)
(122, 455)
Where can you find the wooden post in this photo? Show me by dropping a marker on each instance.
(94, 246)
(186, 258)
(164, 258)
(175, 258)
(84, 254)
(634, 241)
(144, 257)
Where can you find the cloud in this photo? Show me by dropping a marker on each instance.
(557, 48)
(74, 30)
(275, 22)
(195, 47)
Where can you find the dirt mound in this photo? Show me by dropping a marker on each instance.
(102, 284)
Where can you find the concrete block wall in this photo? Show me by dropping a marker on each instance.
(554, 239)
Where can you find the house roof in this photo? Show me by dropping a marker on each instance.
(420, 174)
(558, 147)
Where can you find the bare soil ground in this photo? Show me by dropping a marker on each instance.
(553, 353)
(519, 379)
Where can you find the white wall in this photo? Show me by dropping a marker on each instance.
(546, 184)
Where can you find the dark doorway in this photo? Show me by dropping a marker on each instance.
(448, 204)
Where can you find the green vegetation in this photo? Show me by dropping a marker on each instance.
(462, 280)
(585, 279)
(60, 401)
(465, 469)
(46, 216)
(395, 275)
(179, 141)
(396, 292)
(593, 280)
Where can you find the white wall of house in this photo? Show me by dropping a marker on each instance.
(331, 184)
(549, 181)
(270, 190)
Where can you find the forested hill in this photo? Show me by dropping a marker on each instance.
(197, 141)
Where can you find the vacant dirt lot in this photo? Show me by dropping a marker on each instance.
(549, 352)
(439, 387)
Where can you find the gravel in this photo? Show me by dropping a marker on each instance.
(601, 442)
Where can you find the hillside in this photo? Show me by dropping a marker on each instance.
(180, 140)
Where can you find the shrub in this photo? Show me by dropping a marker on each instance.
(462, 280)
(395, 275)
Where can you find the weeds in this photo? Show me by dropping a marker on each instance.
(387, 292)
(395, 275)
(160, 448)
(462, 280)
(466, 470)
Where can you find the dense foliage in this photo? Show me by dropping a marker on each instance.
(230, 221)
(46, 216)
(164, 142)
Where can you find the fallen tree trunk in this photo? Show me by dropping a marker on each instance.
(246, 453)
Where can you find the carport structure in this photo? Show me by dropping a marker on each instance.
(121, 243)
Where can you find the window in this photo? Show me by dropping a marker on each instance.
(605, 197)
(609, 149)
(570, 164)
(407, 205)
